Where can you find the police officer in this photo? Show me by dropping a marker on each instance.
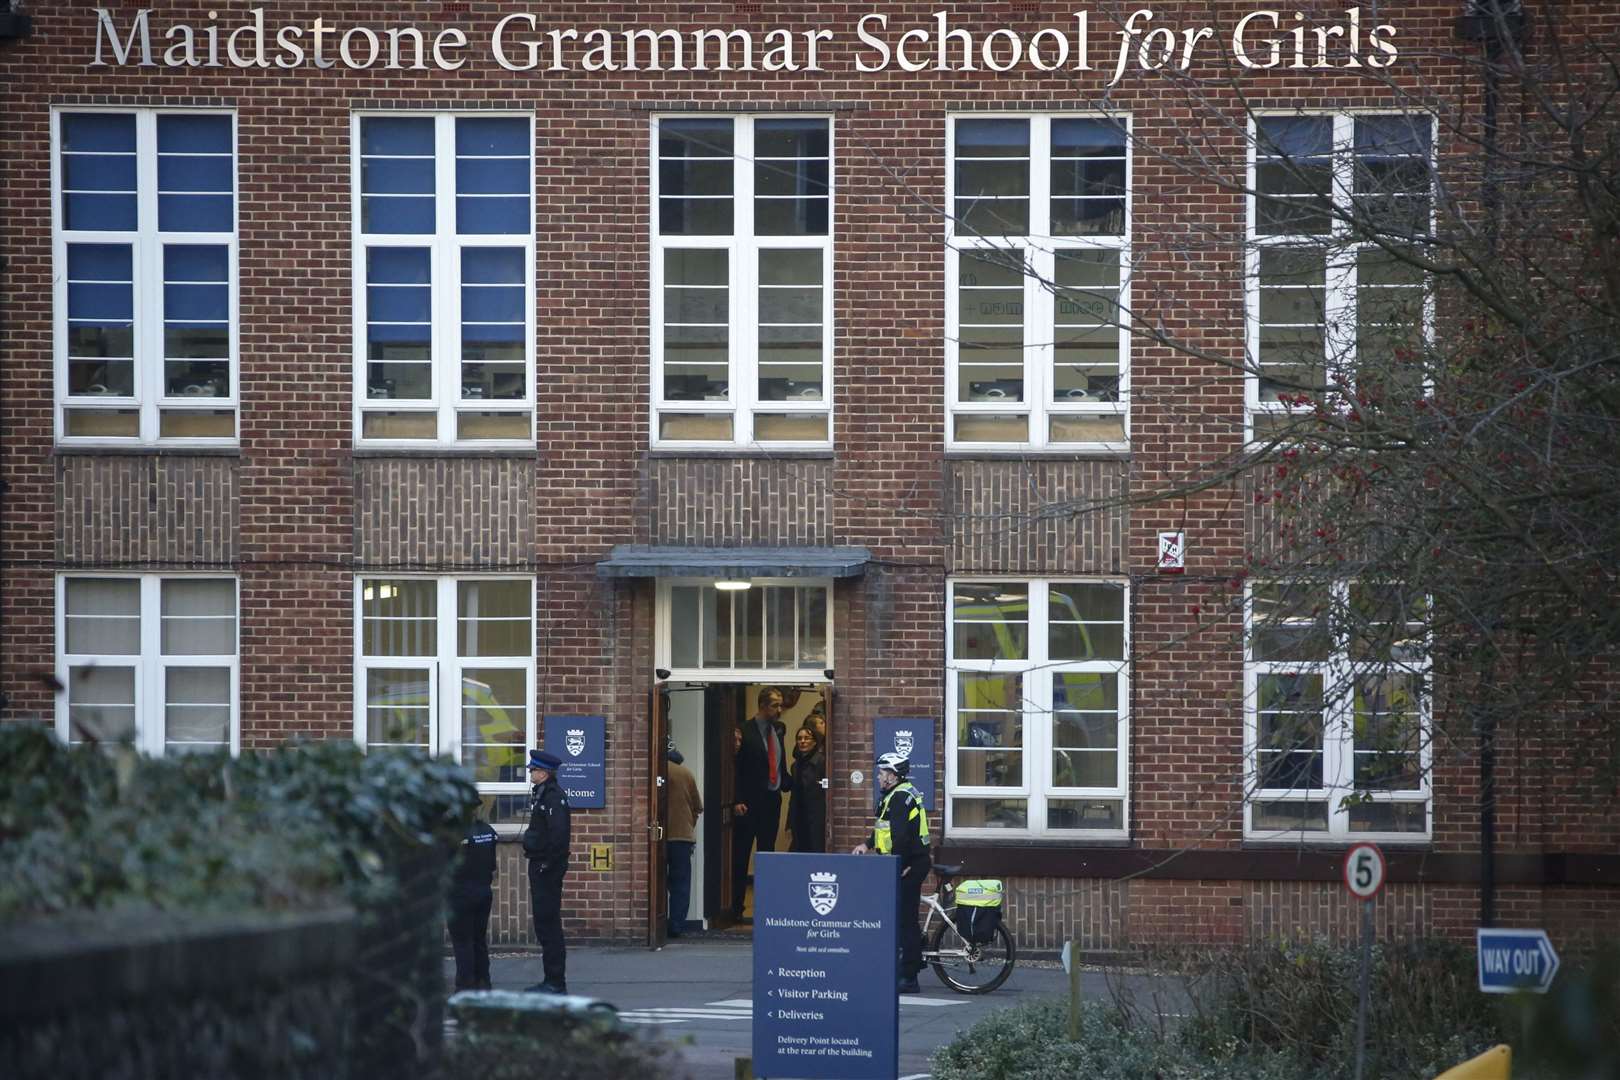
(902, 829)
(471, 893)
(545, 844)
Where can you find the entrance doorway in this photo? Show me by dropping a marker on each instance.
(705, 722)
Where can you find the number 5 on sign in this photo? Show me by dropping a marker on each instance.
(1364, 871)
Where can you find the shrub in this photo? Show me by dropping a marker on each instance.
(578, 1054)
(85, 829)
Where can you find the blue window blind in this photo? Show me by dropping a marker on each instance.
(492, 176)
(196, 162)
(98, 172)
(492, 323)
(399, 323)
(101, 319)
(396, 174)
(196, 320)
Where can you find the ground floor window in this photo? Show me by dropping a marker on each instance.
(1337, 717)
(446, 666)
(1037, 696)
(149, 661)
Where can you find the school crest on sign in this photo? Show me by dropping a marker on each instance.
(903, 742)
(823, 893)
(574, 741)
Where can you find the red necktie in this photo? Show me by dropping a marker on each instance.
(770, 751)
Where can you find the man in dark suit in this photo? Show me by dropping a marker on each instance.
(761, 775)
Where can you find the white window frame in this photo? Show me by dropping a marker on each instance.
(445, 668)
(1338, 673)
(1040, 295)
(1036, 697)
(146, 245)
(445, 245)
(151, 664)
(743, 246)
(1339, 283)
(663, 647)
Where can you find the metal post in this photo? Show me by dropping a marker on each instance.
(1366, 964)
(1074, 985)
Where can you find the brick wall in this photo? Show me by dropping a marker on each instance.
(296, 512)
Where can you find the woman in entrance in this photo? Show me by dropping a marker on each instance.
(807, 805)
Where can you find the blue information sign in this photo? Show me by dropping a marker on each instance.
(913, 738)
(581, 742)
(1512, 960)
(825, 1003)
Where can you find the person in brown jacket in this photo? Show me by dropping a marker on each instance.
(680, 837)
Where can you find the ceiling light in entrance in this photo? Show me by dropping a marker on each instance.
(732, 586)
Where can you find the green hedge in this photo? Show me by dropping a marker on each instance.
(86, 829)
(1287, 1011)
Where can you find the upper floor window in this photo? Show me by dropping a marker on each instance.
(1037, 282)
(708, 627)
(1037, 691)
(1334, 307)
(446, 666)
(145, 281)
(742, 281)
(150, 661)
(1337, 733)
(444, 279)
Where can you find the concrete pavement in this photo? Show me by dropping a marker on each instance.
(697, 993)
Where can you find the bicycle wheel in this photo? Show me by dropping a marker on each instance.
(968, 968)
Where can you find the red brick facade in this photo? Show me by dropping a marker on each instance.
(298, 510)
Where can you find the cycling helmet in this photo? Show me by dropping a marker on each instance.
(899, 764)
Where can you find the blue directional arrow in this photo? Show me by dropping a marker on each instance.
(1515, 959)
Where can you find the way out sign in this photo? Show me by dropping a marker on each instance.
(1512, 960)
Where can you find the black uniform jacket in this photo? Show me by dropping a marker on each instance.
(545, 841)
(475, 869)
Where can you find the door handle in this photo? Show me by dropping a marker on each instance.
(656, 828)
(823, 783)
(660, 781)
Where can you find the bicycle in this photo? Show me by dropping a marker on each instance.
(962, 965)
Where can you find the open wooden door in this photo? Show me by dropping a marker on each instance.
(658, 813)
(827, 756)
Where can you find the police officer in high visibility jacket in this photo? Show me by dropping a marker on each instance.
(901, 829)
(545, 843)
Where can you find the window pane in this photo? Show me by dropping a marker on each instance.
(1294, 174)
(1292, 322)
(494, 618)
(98, 171)
(396, 174)
(494, 723)
(1087, 622)
(399, 617)
(1394, 817)
(196, 320)
(1271, 815)
(196, 157)
(100, 319)
(780, 620)
(1085, 813)
(684, 625)
(492, 176)
(494, 324)
(1388, 726)
(695, 427)
(790, 427)
(813, 627)
(991, 621)
(989, 730)
(748, 621)
(199, 617)
(988, 428)
(101, 704)
(716, 620)
(992, 177)
(1290, 622)
(989, 813)
(695, 160)
(399, 323)
(399, 707)
(197, 708)
(103, 616)
(1289, 745)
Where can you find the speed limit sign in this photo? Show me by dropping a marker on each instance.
(1364, 871)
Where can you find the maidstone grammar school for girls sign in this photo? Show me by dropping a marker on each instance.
(1262, 39)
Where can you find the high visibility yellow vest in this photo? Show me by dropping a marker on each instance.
(882, 833)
